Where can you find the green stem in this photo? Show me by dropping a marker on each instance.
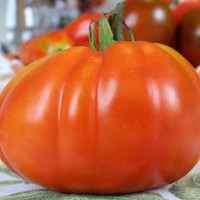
(110, 30)
(105, 34)
(116, 22)
(173, 3)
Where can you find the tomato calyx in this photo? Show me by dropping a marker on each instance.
(110, 29)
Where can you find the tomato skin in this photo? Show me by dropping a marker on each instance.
(79, 27)
(160, 25)
(168, 1)
(87, 123)
(188, 37)
(44, 44)
(88, 4)
(183, 7)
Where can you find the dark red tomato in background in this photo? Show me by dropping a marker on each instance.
(183, 7)
(188, 37)
(150, 20)
(89, 4)
(78, 28)
(168, 1)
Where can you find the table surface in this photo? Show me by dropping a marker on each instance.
(13, 187)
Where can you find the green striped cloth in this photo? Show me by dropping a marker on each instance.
(13, 187)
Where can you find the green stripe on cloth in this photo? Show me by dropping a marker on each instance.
(13, 187)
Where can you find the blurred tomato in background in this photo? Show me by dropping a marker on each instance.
(188, 37)
(168, 1)
(183, 7)
(78, 28)
(157, 21)
(150, 20)
(85, 5)
(44, 44)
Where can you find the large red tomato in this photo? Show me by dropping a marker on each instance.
(119, 120)
(44, 44)
(150, 20)
(188, 37)
(78, 28)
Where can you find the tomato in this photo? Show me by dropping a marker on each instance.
(119, 120)
(188, 37)
(168, 1)
(150, 20)
(78, 28)
(103, 122)
(183, 7)
(44, 44)
(89, 4)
